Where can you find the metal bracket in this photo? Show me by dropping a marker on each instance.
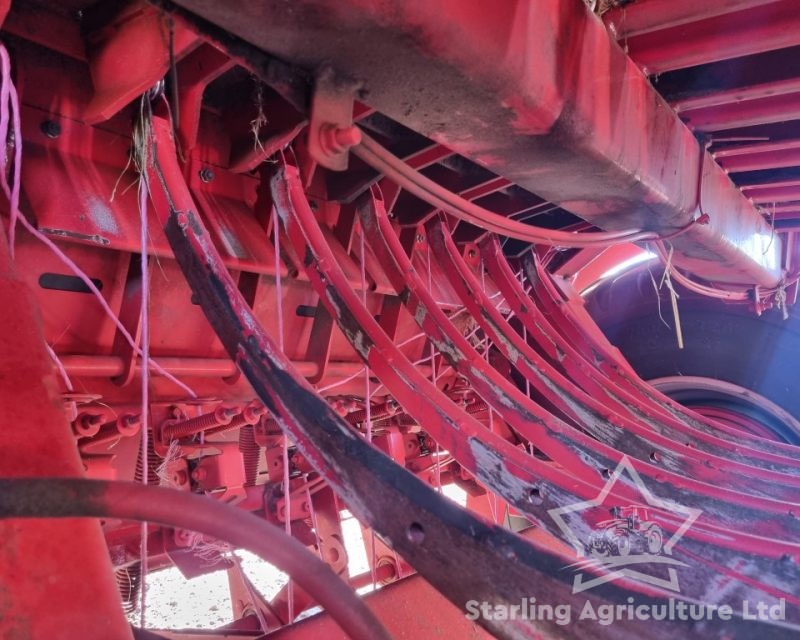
(331, 132)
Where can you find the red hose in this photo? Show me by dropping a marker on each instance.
(78, 497)
(416, 183)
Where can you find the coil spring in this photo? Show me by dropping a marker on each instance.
(153, 462)
(129, 580)
(251, 454)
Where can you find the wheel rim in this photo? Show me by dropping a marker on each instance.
(731, 405)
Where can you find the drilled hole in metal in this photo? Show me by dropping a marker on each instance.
(535, 496)
(655, 456)
(415, 533)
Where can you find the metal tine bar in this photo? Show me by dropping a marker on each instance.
(404, 277)
(555, 439)
(489, 458)
(427, 529)
(619, 432)
(597, 348)
(672, 432)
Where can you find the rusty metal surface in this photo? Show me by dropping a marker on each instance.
(570, 320)
(496, 464)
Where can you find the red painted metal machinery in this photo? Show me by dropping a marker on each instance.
(268, 261)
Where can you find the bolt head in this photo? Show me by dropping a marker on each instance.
(50, 128)
(348, 136)
(335, 140)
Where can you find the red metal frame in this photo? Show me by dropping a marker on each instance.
(503, 387)
(763, 27)
(622, 183)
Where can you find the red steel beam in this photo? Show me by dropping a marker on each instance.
(545, 98)
(743, 107)
(485, 188)
(784, 191)
(756, 161)
(753, 157)
(419, 160)
(747, 113)
(776, 194)
(645, 16)
(774, 25)
(54, 572)
(94, 366)
(739, 94)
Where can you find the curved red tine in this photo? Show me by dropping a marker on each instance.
(496, 565)
(402, 275)
(431, 532)
(563, 444)
(555, 387)
(565, 319)
(666, 424)
(500, 466)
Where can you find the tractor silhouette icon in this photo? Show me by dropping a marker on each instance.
(630, 531)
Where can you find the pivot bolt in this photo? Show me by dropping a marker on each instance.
(50, 128)
(87, 425)
(335, 140)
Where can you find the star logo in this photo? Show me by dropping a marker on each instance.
(632, 536)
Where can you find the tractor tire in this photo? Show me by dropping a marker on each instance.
(722, 342)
